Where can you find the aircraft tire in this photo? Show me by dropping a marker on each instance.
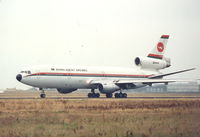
(89, 95)
(42, 95)
(97, 95)
(93, 95)
(116, 95)
(121, 95)
(124, 95)
(109, 95)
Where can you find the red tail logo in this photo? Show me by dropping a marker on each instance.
(160, 47)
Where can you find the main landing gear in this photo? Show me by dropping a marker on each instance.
(117, 95)
(42, 95)
(120, 95)
(93, 94)
(109, 95)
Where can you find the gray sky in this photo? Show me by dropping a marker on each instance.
(96, 32)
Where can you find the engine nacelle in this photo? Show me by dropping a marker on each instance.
(108, 88)
(65, 91)
(151, 63)
(168, 61)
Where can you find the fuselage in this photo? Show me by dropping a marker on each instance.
(77, 77)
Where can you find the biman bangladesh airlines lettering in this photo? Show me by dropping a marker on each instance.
(107, 80)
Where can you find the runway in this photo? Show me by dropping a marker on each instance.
(20, 94)
(75, 98)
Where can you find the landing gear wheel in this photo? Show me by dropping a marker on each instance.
(97, 95)
(89, 95)
(42, 95)
(124, 95)
(93, 94)
(109, 95)
(120, 95)
(116, 95)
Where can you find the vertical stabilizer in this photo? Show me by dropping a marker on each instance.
(159, 50)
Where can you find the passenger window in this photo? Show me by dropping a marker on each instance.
(29, 72)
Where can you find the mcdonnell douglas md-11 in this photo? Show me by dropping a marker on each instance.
(107, 80)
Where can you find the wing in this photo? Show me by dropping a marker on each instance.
(152, 81)
(136, 83)
(172, 73)
(143, 81)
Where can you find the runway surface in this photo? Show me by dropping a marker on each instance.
(190, 97)
(20, 94)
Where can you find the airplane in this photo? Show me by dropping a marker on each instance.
(107, 80)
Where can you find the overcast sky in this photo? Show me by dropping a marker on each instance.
(96, 32)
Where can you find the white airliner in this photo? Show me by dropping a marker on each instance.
(108, 80)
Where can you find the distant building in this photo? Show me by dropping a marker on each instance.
(172, 87)
(199, 87)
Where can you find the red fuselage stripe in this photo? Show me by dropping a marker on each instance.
(89, 74)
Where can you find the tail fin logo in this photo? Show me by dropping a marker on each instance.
(160, 47)
(158, 51)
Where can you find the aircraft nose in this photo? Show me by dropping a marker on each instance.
(19, 77)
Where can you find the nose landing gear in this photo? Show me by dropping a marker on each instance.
(42, 95)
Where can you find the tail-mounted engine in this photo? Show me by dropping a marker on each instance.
(151, 63)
